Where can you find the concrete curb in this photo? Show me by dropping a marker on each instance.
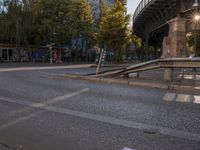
(45, 68)
(159, 85)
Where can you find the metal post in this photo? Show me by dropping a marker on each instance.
(168, 74)
(196, 19)
(50, 48)
(147, 48)
(8, 54)
(183, 73)
(195, 43)
(99, 63)
(195, 39)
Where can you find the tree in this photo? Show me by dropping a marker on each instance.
(18, 29)
(136, 40)
(64, 20)
(114, 29)
(190, 37)
(14, 27)
(51, 20)
(82, 23)
(38, 22)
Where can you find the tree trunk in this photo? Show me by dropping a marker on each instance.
(118, 54)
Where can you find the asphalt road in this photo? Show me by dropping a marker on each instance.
(42, 110)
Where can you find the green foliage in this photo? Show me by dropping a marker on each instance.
(80, 19)
(43, 21)
(39, 22)
(136, 40)
(15, 23)
(113, 29)
(191, 41)
(50, 19)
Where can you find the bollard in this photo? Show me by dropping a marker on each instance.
(168, 74)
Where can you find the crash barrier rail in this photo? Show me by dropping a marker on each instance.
(154, 64)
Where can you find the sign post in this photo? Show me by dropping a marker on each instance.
(101, 60)
(50, 53)
(51, 60)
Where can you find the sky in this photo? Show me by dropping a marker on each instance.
(132, 5)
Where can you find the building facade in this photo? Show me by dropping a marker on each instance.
(95, 6)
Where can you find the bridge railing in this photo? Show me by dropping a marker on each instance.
(140, 7)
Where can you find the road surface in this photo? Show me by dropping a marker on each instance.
(42, 110)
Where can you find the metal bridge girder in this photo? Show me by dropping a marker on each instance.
(154, 13)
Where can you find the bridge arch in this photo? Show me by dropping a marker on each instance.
(165, 23)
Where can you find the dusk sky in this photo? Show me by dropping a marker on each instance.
(132, 4)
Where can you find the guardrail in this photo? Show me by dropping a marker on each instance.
(155, 64)
(140, 7)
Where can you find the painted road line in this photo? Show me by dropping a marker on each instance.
(64, 97)
(109, 120)
(55, 100)
(183, 98)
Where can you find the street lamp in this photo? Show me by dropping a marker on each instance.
(197, 17)
(196, 21)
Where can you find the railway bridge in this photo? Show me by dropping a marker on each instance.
(165, 23)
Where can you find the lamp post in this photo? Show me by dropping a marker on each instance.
(196, 21)
(50, 51)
